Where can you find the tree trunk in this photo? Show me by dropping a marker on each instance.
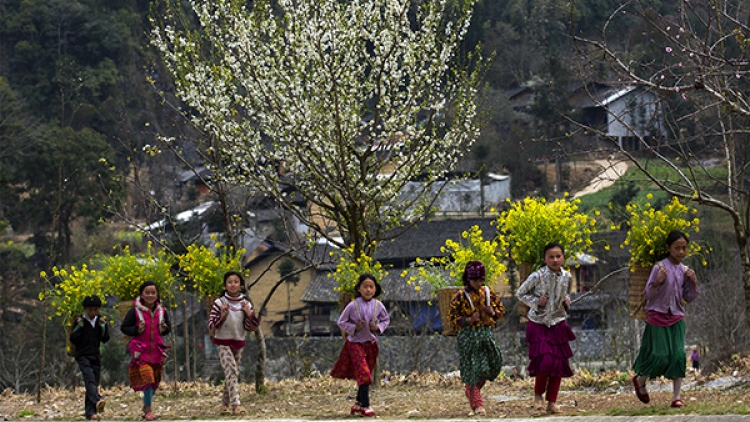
(186, 333)
(260, 363)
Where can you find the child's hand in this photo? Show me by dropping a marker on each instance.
(488, 310)
(141, 327)
(373, 326)
(360, 325)
(543, 301)
(224, 312)
(78, 319)
(661, 276)
(474, 317)
(690, 276)
(566, 302)
(162, 326)
(247, 309)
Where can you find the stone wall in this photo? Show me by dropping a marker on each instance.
(303, 356)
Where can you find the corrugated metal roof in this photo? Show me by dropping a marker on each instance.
(395, 288)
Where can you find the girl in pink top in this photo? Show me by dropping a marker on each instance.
(662, 352)
(231, 316)
(362, 319)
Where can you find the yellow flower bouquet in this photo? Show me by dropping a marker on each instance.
(68, 287)
(205, 268)
(350, 268)
(447, 271)
(124, 273)
(531, 224)
(648, 229)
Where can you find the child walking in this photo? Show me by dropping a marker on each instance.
(546, 292)
(670, 286)
(89, 332)
(362, 320)
(475, 309)
(147, 322)
(231, 316)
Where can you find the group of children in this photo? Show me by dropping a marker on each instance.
(475, 310)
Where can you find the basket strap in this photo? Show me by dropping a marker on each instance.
(469, 299)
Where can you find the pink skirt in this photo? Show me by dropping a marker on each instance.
(549, 349)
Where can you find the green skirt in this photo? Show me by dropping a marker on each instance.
(479, 356)
(662, 352)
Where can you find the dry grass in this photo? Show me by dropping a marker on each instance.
(422, 396)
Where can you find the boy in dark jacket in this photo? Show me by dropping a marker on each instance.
(89, 332)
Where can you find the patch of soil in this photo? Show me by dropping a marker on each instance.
(426, 395)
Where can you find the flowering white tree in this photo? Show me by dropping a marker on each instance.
(332, 105)
(694, 56)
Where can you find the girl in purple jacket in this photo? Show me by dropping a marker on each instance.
(147, 322)
(363, 319)
(670, 285)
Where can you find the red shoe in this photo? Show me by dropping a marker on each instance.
(641, 396)
(677, 403)
(367, 411)
(356, 409)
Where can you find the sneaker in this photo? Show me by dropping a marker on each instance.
(367, 411)
(356, 409)
(100, 406)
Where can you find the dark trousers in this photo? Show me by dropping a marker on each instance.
(90, 371)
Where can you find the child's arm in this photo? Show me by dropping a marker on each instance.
(497, 306)
(526, 294)
(129, 325)
(251, 321)
(75, 335)
(167, 326)
(345, 319)
(214, 318)
(653, 286)
(105, 330)
(690, 289)
(384, 320)
(460, 311)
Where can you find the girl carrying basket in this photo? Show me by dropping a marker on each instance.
(546, 292)
(475, 309)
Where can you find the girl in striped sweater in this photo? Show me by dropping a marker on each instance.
(231, 316)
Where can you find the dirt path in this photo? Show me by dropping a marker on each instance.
(613, 170)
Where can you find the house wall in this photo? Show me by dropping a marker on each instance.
(277, 305)
(635, 110)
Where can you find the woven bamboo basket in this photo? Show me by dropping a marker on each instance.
(445, 295)
(637, 301)
(524, 270)
(210, 299)
(123, 307)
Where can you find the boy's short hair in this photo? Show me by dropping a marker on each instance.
(92, 302)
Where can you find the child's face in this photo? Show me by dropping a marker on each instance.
(678, 249)
(367, 289)
(233, 285)
(149, 295)
(554, 258)
(476, 283)
(92, 311)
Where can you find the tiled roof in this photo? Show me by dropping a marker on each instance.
(425, 239)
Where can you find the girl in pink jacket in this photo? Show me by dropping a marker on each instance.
(147, 322)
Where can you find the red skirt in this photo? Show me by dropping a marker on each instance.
(549, 349)
(356, 361)
(144, 375)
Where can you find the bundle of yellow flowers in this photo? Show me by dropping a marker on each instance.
(531, 224)
(350, 268)
(68, 287)
(447, 271)
(125, 273)
(205, 268)
(648, 229)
